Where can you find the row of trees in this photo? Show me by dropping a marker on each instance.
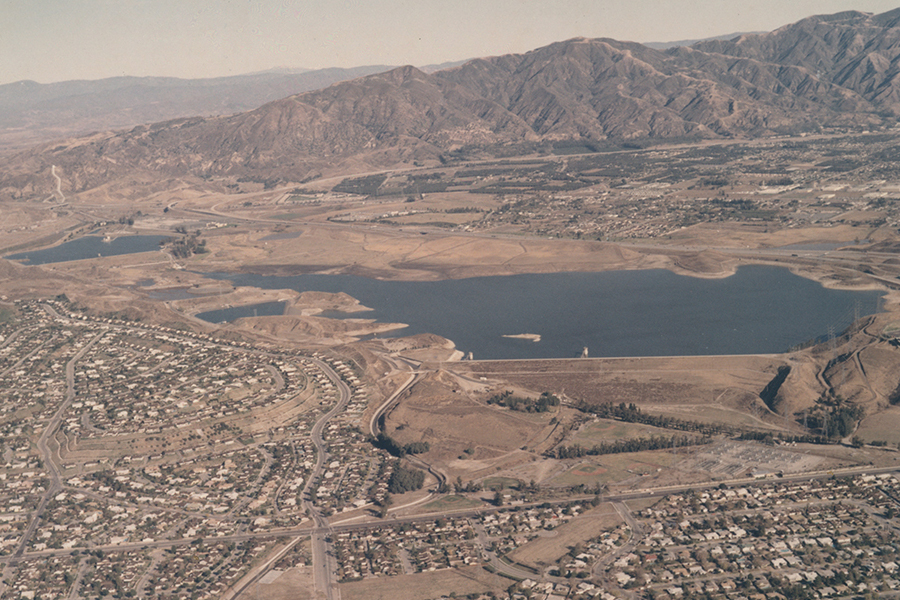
(767, 437)
(656, 442)
(630, 413)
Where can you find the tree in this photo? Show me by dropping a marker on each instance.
(385, 505)
(405, 480)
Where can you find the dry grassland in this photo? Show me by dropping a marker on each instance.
(745, 235)
(433, 411)
(293, 584)
(613, 468)
(451, 503)
(881, 365)
(719, 415)
(34, 225)
(884, 426)
(731, 384)
(546, 550)
(393, 254)
(462, 581)
(605, 430)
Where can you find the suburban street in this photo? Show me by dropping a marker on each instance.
(46, 453)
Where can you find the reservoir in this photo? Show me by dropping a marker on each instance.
(263, 309)
(758, 310)
(90, 246)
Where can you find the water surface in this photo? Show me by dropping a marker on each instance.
(758, 310)
(89, 247)
(262, 309)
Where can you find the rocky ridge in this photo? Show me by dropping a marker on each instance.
(820, 73)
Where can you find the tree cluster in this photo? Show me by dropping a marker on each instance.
(835, 416)
(395, 448)
(185, 246)
(470, 486)
(508, 400)
(364, 186)
(405, 479)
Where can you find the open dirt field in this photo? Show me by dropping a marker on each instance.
(730, 383)
(292, 584)
(392, 254)
(884, 426)
(735, 459)
(462, 581)
(615, 468)
(453, 423)
(450, 503)
(606, 430)
(546, 549)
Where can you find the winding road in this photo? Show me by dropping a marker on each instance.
(322, 559)
(62, 197)
(323, 567)
(375, 429)
(43, 447)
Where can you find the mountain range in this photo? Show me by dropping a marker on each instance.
(42, 112)
(821, 73)
(32, 112)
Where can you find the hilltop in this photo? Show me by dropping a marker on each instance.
(824, 73)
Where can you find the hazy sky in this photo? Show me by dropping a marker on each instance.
(55, 40)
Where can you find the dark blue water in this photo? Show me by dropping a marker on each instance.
(263, 309)
(89, 247)
(619, 313)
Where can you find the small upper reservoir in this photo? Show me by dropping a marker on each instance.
(262, 309)
(90, 246)
(758, 310)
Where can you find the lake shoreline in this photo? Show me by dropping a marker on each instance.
(762, 310)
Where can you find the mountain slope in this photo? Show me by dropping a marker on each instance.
(820, 73)
(35, 112)
(856, 51)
